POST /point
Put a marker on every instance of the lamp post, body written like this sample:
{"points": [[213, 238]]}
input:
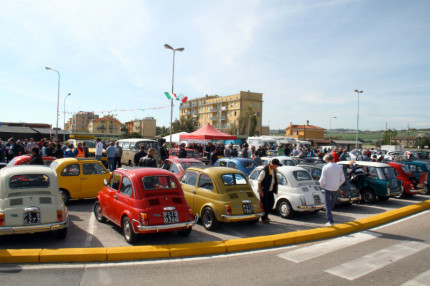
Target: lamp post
{"points": [[329, 129], [249, 122], [58, 100], [173, 80], [358, 112], [64, 118]]}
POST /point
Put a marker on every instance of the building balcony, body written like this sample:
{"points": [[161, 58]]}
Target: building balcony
{"points": [[214, 109], [224, 108], [213, 118], [187, 112], [223, 117]]}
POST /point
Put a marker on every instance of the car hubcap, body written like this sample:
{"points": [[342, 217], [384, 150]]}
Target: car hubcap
{"points": [[98, 212], [368, 196], [207, 219], [127, 230], [284, 209]]}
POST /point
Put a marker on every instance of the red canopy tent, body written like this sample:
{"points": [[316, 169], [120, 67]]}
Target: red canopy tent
{"points": [[207, 132]]}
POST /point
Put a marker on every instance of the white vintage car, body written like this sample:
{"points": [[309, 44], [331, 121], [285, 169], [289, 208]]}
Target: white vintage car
{"points": [[297, 192], [30, 201]]}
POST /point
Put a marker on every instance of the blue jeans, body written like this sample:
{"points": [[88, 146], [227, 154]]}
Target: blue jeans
{"points": [[99, 157], [330, 200], [111, 163]]}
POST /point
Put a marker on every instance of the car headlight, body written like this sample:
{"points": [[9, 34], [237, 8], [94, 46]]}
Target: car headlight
{"points": [[303, 201]]}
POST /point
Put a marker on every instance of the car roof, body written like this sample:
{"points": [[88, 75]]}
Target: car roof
{"points": [[412, 162], [283, 168], [365, 164], [141, 171], [319, 166], [215, 170], [26, 169], [184, 160], [136, 140], [235, 159]]}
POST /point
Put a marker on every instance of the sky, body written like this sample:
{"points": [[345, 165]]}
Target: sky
{"points": [[306, 57]]}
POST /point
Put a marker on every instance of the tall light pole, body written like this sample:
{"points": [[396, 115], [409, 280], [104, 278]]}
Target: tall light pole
{"points": [[173, 80], [58, 100], [249, 122], [64, 118], [358, 112], [329, 129]]}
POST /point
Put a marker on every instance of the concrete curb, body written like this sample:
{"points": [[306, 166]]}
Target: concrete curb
{"points": [[203, 248]]}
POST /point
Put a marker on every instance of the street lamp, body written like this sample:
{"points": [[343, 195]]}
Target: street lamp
{"points": [[249, 122], [173, 80], [329, 129], [358, 111], [64, 118], [58, 100]]}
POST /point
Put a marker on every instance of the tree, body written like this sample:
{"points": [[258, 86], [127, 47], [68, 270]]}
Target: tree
{"points": [[243, 123], [160, 130], [183, 125], [388, 135]]}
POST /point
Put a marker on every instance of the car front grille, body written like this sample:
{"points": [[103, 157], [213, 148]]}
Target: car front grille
{"points": [[233, 196], [15, 202], [45, 200], [153, 202]]}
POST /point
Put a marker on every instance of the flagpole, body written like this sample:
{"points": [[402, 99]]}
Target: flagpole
{"points": [[173, 80]]}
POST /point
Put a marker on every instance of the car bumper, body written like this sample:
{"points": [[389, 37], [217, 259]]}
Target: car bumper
{"points": [[347, 200], [414, 191], [311, 208], [5, 230], [164, 227], [230, 218]]}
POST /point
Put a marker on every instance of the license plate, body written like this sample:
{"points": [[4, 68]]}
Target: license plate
{"points": [[248, 208], [31, 218], [317, 200], [171, 217]]}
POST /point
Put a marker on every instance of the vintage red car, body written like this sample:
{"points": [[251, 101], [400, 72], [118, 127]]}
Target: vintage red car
{"points": [[178, 165], [191, 153], [25, 159], [410, 184], [144, 200]]}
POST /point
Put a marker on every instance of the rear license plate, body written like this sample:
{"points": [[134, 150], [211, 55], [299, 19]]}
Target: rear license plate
{"points": [[317, 200], [248, 209], [31, 218], [171, 217]]}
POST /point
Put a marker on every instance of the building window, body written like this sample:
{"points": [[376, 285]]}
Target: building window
{"points": [[258, 105], [252, 104]]}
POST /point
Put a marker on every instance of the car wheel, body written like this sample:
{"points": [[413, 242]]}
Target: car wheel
{"points": [[64, 195], [401, 195], [284, 209], [425, 191], [369, 196], [127, 230], [62, 233], [209, 220], [98, 212], [185, 232]]}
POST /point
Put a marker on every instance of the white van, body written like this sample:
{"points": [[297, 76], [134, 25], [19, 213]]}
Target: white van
{"points": [[132, 145]]}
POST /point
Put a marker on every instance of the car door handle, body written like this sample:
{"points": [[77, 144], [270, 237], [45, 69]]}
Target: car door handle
{"points": [[115, 197], [83, 178], [193, 192]]}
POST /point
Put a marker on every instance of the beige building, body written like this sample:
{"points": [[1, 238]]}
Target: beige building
{"points": [[224, 112], [146, 127], [80, 121], [105, 125]]}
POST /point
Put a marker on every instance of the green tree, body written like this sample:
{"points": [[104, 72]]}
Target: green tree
{"points": [[183, 125], [243, 123], [388, 134]]}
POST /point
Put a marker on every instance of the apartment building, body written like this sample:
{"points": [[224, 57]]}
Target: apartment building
{"points": [[80, 121], [146, 127], [105, 125], [224, 112]]}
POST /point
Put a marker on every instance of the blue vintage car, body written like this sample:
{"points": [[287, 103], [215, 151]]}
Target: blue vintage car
{"points": [[418, 167], [242, 164]]}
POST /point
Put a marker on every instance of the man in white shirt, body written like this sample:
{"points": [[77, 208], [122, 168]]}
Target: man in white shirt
{"points": [[267, 187], [332, 178], [99, 149]]}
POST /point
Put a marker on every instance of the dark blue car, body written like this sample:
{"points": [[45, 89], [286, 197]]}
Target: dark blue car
{"points": [[242, 164]]}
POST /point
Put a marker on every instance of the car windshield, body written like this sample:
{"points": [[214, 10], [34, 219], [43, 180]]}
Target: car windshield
{"points": [[233, 179], [193, 154], [302, 176], [12, 162], [389, 173], [249, 164], [158, 183], [186, 165], [27, 181]]}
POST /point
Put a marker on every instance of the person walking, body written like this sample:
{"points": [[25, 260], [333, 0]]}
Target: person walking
{"points": [[363, 156], [99, 149], [110, 153], [182, 152], [30, 145], [335, 155], [87, 152], [36, 159], [58, 152], [69, 151], [214, 156], [139, 155], [245, 152], [267, 187], [164, 153], [344, 155], [331, 179], [149, 160], [118, 155], [79, 152]]}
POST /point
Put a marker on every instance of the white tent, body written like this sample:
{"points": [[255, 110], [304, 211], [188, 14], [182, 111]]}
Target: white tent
{"points": [[175, 137]]}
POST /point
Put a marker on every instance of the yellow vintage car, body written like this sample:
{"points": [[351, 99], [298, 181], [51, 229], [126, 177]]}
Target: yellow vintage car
{"points": [[80, 178], [220, 194]]}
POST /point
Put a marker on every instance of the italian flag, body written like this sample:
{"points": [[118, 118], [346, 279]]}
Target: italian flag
{"points": [[170, 95], [182, 98]]}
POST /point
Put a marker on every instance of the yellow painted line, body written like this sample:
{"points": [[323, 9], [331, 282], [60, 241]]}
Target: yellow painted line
{"points": [[204, 248]]}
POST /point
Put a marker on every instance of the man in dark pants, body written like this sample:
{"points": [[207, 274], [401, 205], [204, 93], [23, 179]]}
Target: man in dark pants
{"points": [[139, 155], [164, 153], [182, 152], [267, 187], [214, 157], [332, 178]]}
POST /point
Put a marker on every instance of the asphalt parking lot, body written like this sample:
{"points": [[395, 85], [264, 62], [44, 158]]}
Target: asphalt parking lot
{"points": [[85, 231]]}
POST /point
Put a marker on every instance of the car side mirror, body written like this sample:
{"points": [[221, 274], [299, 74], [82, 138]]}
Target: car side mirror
{"points": [[105, 181]]}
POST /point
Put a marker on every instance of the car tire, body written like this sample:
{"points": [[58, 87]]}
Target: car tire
{"points": [[98, 212], [208, 219], [65, 195], [185, 232], [62, 233], [426, 190], [284, 209], [368, 196], [127, 230]]}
